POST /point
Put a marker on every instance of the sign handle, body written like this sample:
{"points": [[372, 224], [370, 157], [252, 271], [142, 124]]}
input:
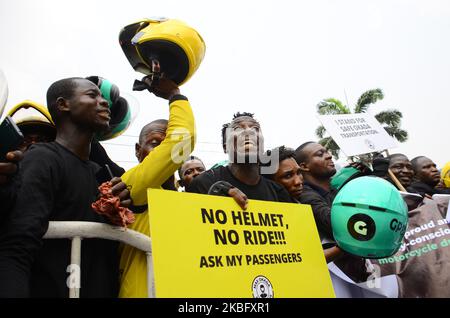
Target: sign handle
{"points": [[394, 178], [397, 183]]}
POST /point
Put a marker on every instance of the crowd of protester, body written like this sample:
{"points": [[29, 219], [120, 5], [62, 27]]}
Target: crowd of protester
{"points": [[54, 176]]}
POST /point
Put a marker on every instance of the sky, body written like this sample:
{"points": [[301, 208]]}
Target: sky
{"points": [[276, 59]]}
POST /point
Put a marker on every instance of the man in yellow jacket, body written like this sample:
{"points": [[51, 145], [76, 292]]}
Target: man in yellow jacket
{"points": [[162, 148]]}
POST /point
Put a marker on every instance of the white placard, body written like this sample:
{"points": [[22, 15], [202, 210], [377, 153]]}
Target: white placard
{"points": [[357, 134]]}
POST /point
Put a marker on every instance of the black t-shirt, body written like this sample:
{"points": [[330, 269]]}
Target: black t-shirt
{"points": [[321, 202], [266, 190], [8, 193], [99, 156], [56, 185]]}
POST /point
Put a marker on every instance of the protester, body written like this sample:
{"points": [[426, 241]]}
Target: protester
{"points": [[242, 140], [39, 127], [402, 169], [163, 145], [35, 123], [423, 250], [191, 168], [108, 167], [421, 264], [9, 167], [288, 173], [317, 167], [8, 185], [427, 177], [58, 184], [120, 121], [290, 177]]}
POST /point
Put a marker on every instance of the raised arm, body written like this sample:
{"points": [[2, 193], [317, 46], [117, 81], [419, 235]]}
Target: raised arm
{"points": [[165, 159]]}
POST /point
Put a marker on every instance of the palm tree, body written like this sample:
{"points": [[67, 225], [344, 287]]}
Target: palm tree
{"points": [[389, 119]]}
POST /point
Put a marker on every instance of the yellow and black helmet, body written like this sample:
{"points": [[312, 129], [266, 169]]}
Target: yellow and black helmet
{"points": [[33, 118], [445, 174], [178, 47]]}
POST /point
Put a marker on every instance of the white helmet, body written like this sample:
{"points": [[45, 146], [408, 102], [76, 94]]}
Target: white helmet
{"points": [[3, 92]]}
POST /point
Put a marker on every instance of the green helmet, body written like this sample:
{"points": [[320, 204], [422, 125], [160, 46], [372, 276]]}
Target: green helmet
{"points": [[222, 163], [341, 177], [369, 218], [121, 117]]}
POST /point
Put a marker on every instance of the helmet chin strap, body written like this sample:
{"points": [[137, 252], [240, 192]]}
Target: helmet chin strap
{"points": [[150, 81]]}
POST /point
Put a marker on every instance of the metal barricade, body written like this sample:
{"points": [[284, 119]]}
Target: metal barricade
{"points": [[76, 231]]}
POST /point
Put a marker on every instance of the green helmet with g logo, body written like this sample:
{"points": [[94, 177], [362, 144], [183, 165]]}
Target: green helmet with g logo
{"points": [[369, 218]]}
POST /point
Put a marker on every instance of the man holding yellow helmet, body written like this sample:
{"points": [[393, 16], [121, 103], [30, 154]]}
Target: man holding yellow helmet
{"points": [[162, 46], [168, 52]]}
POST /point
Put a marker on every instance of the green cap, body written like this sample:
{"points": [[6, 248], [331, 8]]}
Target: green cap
{"points": [[369, 218]]}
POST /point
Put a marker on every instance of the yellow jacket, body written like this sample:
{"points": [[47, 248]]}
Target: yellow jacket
{"points": [[152, 172]]}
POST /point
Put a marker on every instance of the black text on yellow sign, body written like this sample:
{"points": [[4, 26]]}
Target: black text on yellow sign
{"points": [[274, 235], [205, 246]]}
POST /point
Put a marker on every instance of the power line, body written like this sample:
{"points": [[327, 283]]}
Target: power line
{"points": [[214, 151], [128, 161], [199, 142], [127, 145], [117, 144], [209, 142]]}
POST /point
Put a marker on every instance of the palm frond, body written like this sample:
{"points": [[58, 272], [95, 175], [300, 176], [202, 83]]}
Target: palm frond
{"points": [[331, 145], [368, 98], [389, 117], [396, 132], [320, 131], [332, 106]]}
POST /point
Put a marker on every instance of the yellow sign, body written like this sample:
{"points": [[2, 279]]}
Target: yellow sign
{"points": [[206, 247]]}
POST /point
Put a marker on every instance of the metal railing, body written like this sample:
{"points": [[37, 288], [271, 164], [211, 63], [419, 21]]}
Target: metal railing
{"points": [[76, 231]]}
